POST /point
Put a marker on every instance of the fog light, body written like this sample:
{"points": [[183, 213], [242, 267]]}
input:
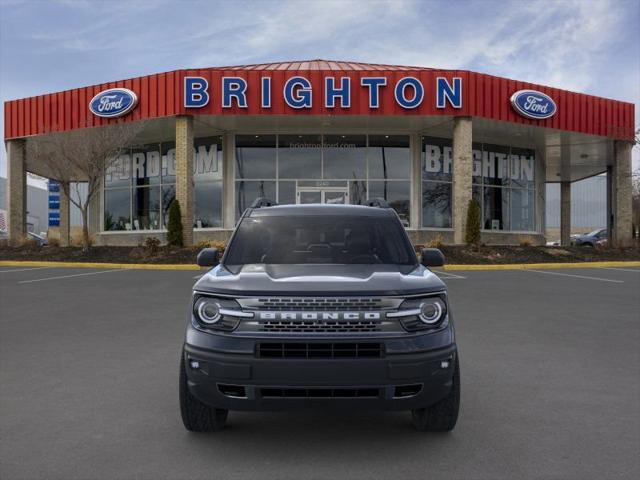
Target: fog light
{"points": [[194, 364], [444, 364]]}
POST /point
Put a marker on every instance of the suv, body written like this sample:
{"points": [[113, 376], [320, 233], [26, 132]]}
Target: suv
{"points": [[319, 305]]}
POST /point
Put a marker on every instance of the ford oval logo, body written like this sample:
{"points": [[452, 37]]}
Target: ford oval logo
{"points": [[533, 104], [114, 102]]}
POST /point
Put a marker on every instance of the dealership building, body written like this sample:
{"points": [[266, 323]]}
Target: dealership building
{"points": [[426, 140]]}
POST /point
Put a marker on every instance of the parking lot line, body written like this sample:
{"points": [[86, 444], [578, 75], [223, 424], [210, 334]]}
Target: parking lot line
{"points": [[70, 276], [23, 269], [637, 270], [575, 276]]}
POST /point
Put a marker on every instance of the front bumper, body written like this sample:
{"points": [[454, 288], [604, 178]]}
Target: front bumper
{"points": [[410, 374]]}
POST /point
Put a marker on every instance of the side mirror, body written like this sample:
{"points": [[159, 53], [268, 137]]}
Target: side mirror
{"points": [[432, 257], [208, 257]]}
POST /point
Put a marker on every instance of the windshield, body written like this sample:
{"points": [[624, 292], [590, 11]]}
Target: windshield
{"points": [[320, 239]]}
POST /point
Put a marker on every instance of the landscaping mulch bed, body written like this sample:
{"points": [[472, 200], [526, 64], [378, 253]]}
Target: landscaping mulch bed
{"points": [[453, 254]]}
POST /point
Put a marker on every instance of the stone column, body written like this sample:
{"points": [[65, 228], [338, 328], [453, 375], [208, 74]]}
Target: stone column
{"points": [[621, 185], [184, 174], [228, 181], [65, 215], [416, 181], [16, 191], [565, 213], [462, 175]]}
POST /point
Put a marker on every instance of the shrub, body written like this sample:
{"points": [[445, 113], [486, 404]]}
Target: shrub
{"points": [[152, 245], [54, 242], [472, 234], [174, 226], [436, 242], [219, 244]]}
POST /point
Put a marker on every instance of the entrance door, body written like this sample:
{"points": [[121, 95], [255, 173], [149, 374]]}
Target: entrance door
{"points": [[323, 195]]}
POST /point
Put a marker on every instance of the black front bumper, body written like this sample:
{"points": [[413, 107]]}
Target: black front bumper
{"points": [[413, 372]]}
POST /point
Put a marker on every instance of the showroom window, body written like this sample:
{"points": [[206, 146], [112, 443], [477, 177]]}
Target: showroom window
{"points": [[140, 186], [331, 169], [503, 184], [437, 175]]}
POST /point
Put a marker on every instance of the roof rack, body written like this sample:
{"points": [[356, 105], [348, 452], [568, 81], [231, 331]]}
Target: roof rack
{"points": [[263, 202], [377, 202]]}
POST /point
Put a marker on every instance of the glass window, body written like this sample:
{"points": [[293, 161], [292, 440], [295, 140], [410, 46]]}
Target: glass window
{"points": [[300, 156], [495, 165], [248, 191], [522, 210], [146, 208], [286, 192], [389, 156], [522, 165], [437, 163], [117, 209], [357, 192], [396, 193], [255, 156], [436, 204], [207, 160], [496, 208], [345, 156], [168, 162], [145, 165], [207, 211], [118, 174], [168, 195], [476, 154]]}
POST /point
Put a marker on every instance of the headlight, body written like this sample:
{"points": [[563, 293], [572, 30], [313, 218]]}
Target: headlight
{"points": [[217, 313], [431, 311], [421, 313], [208, 310]]}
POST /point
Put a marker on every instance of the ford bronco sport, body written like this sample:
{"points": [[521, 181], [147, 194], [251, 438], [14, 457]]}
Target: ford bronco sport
{"points": [[319, 305]]}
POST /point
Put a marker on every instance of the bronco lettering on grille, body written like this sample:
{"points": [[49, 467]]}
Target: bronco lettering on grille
{"points": [[319, 315]]}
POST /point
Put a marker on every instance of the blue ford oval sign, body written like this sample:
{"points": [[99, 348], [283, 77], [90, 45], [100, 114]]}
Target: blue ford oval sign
{"points": [[533, 104], [114, 102]]}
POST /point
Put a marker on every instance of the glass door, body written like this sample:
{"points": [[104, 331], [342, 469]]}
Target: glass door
{"points": [[322, 195]]}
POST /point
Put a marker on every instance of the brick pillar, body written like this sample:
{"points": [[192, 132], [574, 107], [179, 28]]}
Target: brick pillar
{"points": [[565, 213], [184, 174], [621, 186], [65, 215], [462, 175], [16, 191]]}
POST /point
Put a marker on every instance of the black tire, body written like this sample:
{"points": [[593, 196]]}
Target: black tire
{"points": [[198, 416], [442, 416]]}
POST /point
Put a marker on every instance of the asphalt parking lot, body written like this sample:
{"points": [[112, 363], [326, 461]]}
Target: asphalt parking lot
{"points": [[550, 363]]}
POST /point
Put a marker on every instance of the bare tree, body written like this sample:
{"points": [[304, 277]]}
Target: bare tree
{"points": [[82, 156]]}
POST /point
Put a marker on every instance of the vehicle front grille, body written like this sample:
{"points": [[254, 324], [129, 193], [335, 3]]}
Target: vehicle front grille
{"points": [[319, 303], [319, 392], [319, 350], [320, 326]]}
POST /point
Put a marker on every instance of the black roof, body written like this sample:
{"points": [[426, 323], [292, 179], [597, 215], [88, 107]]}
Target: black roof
{"points": [[321, 209]]}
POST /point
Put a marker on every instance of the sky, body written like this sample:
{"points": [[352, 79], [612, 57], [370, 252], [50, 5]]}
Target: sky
{"points": [[589, 46]]}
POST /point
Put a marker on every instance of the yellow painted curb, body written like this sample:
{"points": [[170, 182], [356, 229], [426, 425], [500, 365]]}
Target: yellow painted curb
{"points": [[136, 266], [525, 266]]}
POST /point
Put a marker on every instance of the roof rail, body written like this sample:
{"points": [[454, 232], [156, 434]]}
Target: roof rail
{"points": [[263, 202], [377, 202]]}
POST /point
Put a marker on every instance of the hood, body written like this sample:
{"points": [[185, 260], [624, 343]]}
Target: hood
{"points": [[345, 280]]}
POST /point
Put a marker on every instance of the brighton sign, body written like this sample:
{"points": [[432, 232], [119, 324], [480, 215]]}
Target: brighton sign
{"points": [[298, 93], [533, 104], [113, 103]]}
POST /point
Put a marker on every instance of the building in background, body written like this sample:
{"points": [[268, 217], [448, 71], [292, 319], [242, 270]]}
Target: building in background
{"points": [[37, 208], [426, 140], [588, 206]]}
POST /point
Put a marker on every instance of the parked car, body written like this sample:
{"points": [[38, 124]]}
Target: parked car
{"points": [[590, 239], [319, 305]]}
